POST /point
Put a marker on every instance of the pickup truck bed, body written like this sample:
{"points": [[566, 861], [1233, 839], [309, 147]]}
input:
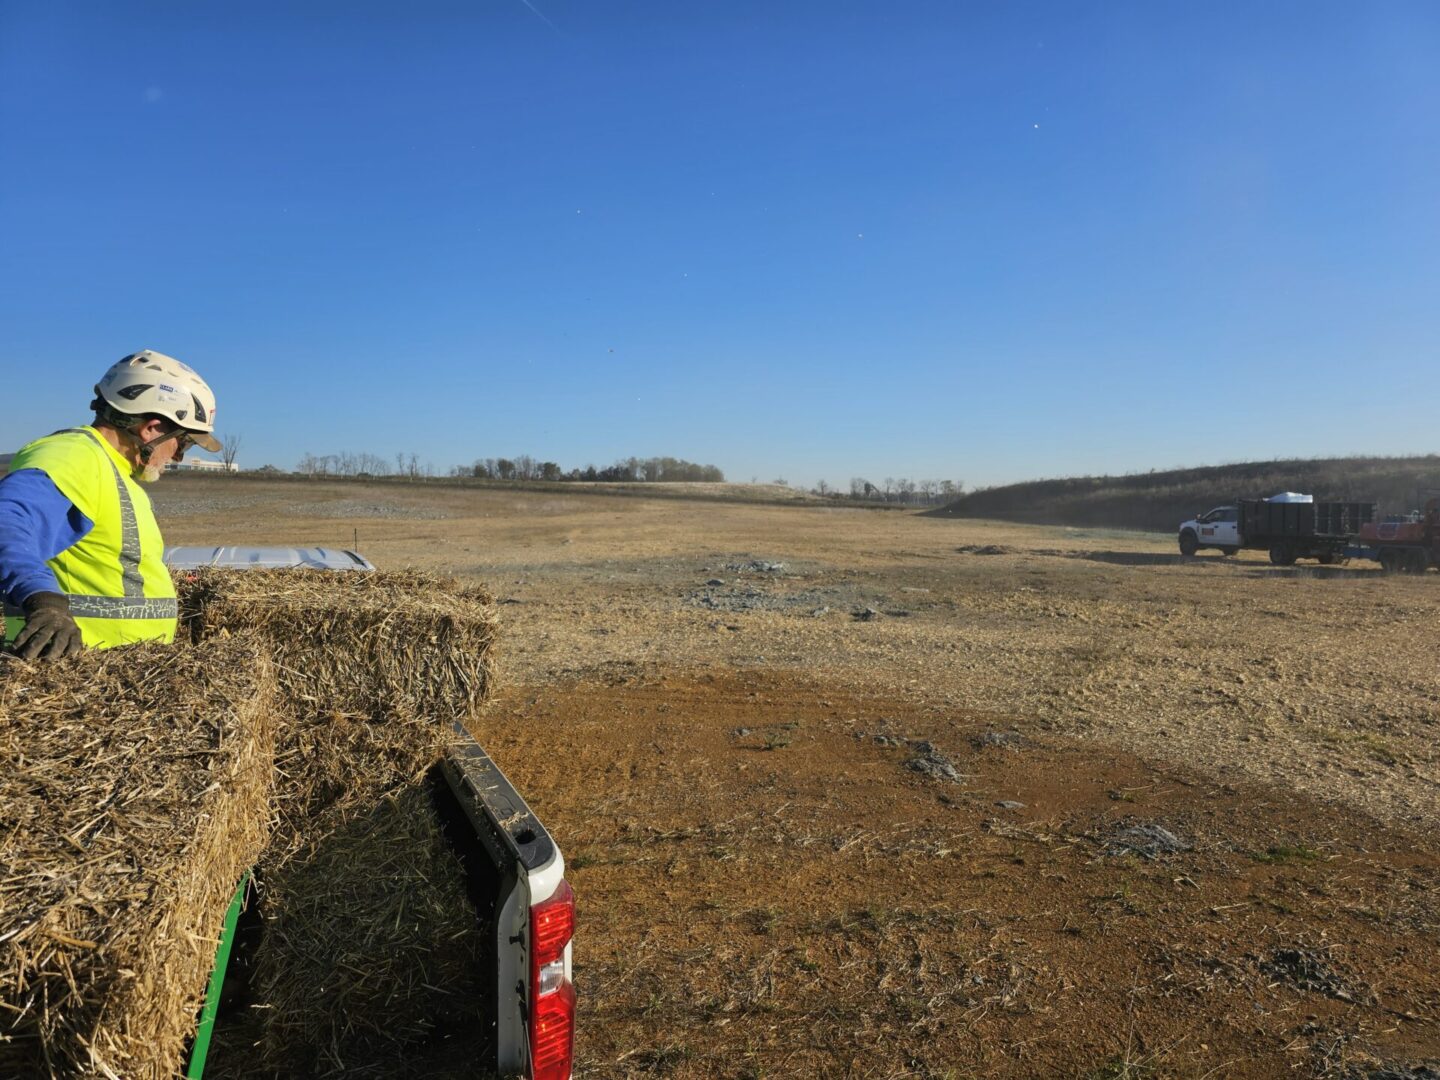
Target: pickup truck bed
{"points": [[510, 865]]}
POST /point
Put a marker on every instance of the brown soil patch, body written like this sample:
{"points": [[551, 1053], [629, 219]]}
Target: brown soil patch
{"points": [[766, 889]]}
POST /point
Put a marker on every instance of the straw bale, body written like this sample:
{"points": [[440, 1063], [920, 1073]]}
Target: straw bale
{"points": [[134, 791], [373, 669], [370, 940], [361, 644]]}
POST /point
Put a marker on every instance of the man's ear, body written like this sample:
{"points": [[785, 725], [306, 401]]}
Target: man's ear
{"points": [[150, 429]]}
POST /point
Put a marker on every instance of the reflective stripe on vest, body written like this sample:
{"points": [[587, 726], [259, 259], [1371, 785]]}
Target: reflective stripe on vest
{"points": [[113, 607], [130, 580]]}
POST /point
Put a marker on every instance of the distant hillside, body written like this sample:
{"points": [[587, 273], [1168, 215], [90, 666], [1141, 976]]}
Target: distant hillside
{"points": [[698, 490], [1158, 501]]}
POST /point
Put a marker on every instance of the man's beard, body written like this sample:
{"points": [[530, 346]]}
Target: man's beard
{"points": [[147, 474]]}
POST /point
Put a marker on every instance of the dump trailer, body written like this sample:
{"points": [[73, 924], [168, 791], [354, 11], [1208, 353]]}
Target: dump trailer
{"points": [[1404, 545], [1287, 528], [1300, 530], [514, 877]]}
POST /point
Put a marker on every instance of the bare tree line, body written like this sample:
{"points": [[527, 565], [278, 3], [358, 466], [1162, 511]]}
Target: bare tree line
{"points": [[628, 470], [520, 467], [525, 467], [897, 490], [351, 464]]}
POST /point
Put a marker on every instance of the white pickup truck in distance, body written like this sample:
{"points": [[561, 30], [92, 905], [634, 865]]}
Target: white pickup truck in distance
{"points": [[1217, 528]]}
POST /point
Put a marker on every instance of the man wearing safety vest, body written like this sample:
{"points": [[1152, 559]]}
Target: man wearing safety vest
{"points": [[81, 558]]}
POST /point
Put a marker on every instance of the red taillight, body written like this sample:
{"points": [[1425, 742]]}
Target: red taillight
{"points": [[552, 996], [552, 1044], [552, 922]]}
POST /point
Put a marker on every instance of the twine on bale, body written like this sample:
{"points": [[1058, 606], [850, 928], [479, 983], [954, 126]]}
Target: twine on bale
{"points": [[135, 789]]}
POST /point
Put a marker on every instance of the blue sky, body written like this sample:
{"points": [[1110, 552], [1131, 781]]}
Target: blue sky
{"points": [[983, 242]]}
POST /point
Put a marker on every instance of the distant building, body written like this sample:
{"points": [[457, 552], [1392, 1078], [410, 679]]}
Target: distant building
{"points": [[203, 465]]}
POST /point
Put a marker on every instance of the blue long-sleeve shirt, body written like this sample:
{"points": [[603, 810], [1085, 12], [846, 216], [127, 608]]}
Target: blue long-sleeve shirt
{"points": [[37, 522]]}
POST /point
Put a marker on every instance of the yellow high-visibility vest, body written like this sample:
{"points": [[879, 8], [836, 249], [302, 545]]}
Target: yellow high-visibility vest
{"points": [[119, 588]]}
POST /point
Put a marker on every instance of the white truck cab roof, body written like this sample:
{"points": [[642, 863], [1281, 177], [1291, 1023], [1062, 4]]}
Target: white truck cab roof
{"points": [[265, 558]]}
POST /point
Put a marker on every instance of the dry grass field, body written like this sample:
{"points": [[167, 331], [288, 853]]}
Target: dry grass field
{"points": [[873, 794]]}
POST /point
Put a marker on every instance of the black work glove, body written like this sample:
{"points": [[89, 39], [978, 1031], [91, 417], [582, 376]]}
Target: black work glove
{"points": [[50, 631]]}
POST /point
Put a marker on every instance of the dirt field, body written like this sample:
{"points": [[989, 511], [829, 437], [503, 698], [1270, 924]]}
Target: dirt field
{"points": [[871, 794]]}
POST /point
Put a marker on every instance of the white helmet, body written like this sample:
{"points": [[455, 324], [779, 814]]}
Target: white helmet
{"points": [[149, 382]]}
